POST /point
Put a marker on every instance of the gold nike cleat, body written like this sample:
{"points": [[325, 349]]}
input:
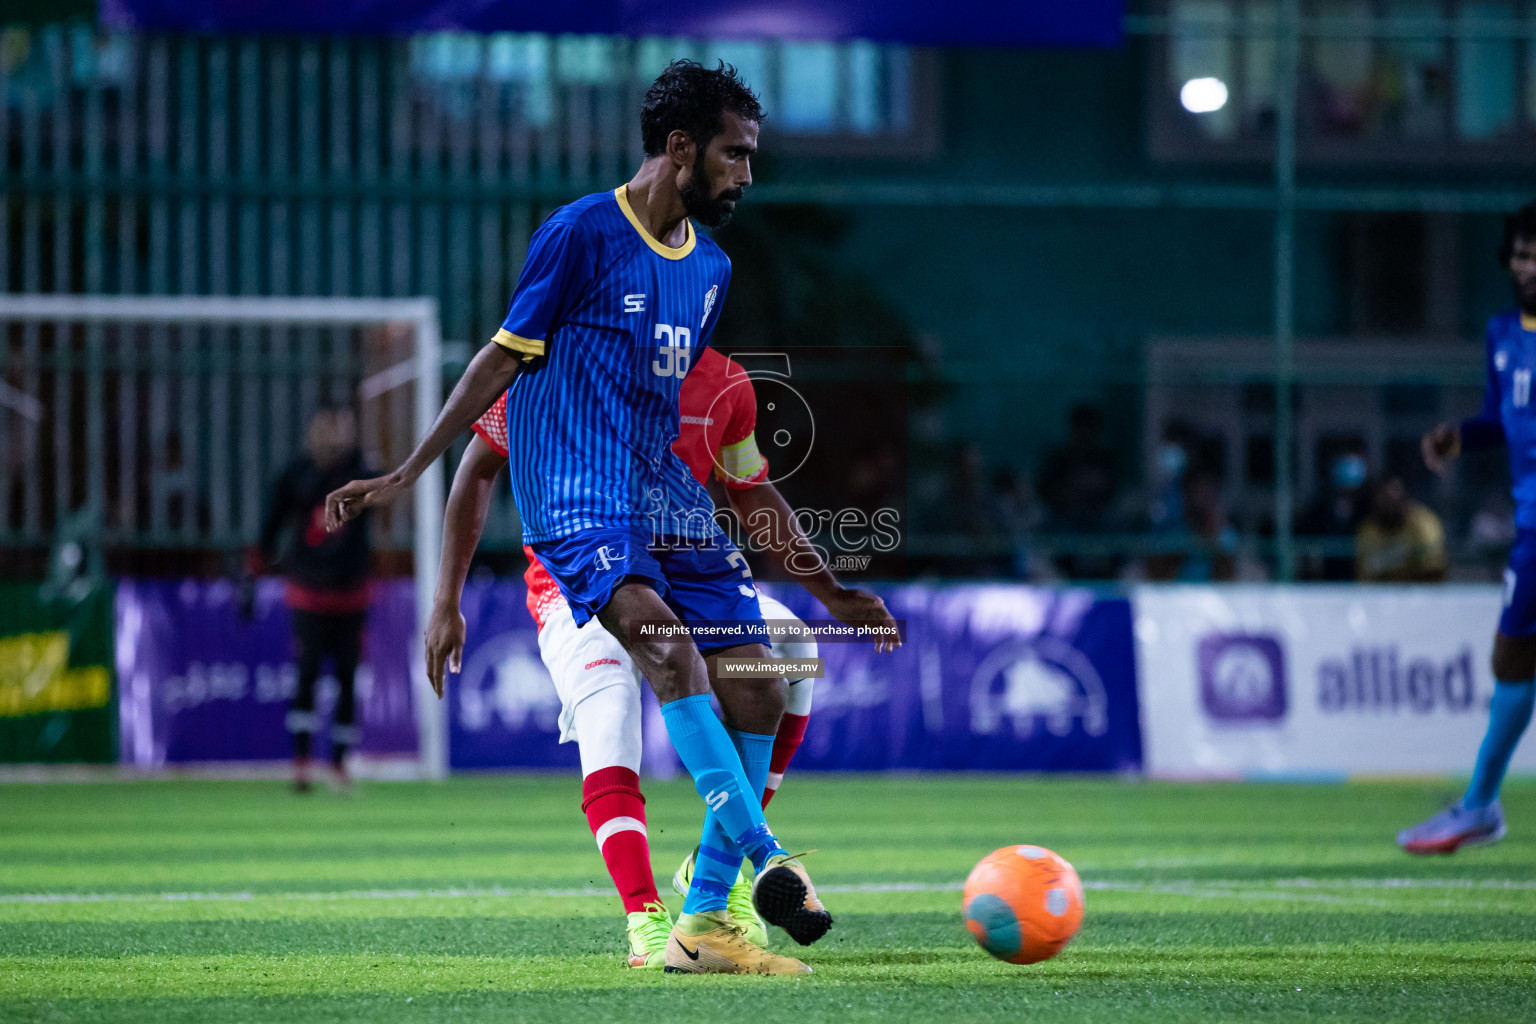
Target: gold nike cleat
{"points": [[721, 949], [784, 895], [738, 902], [648, 930]]}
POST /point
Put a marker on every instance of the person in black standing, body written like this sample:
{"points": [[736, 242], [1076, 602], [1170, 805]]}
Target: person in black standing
{"points": [[326, 581]]}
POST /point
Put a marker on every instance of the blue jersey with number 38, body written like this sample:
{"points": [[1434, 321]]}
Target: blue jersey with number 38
{"points": [[608, 321], [1507, 415]]}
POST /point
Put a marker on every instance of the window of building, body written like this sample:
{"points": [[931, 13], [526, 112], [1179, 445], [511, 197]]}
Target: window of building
{"points": [[1390, 80], [850, 97], [838, 96]]}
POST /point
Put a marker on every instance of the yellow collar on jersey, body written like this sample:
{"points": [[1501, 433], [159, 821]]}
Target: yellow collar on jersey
{"points": [[1527, 322], [622, 195]]}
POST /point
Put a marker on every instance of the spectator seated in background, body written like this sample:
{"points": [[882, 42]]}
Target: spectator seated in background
{"points": [[1185, 506], [963, 516], [1078, 483], [1016, 513], [1180, 443], [1400, 541], [1211, 552], [1080, 478], [1337, 511]]}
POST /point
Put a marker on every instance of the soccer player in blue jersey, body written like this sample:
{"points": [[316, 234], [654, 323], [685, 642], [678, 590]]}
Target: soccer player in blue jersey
{"points": [[617, 297], [1507, 418]]}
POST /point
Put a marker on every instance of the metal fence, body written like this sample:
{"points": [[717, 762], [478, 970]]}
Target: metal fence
{"points": [[159, 165], [163, 420], [154, 164], [286, 166]]}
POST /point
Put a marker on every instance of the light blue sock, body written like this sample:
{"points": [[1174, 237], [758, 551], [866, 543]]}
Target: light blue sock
{"points": [[714, 872], [756, 751], [719, 858], [706, 750], [1508, 714]]}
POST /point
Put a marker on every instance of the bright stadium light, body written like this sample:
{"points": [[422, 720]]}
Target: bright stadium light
{"points": [[1203, 95]]}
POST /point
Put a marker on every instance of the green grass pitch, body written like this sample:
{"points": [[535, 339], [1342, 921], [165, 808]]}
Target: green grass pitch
{"points": [[484, 899]]}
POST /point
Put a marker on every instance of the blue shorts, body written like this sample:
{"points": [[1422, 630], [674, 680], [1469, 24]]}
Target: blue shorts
{"points": [[700, 580], [1519, 618]]}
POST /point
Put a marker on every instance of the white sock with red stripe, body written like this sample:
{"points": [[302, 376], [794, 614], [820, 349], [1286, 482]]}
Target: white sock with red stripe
{"points": [[797, 713], [791, 733], [615, 811]]}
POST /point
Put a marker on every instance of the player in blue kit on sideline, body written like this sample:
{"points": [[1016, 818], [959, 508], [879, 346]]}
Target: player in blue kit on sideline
{"points": [[617, 298], [1507, 418]]}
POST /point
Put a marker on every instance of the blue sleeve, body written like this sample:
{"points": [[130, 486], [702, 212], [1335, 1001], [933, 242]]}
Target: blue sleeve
{"points": [[558, 269], [1486, 429]]}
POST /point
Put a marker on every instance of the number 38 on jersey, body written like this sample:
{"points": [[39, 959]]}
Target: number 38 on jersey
{"points": [[674, 349]]}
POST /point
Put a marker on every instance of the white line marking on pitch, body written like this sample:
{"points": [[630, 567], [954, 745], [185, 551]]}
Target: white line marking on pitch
{"points": [[1281, 889]]}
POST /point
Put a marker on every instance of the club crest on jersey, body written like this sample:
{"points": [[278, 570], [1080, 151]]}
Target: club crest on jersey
{"points": [[709, 302], [605, 557], [1500, 360]]}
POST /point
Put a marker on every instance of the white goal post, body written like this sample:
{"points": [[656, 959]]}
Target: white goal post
{"points": [[66, 358]]}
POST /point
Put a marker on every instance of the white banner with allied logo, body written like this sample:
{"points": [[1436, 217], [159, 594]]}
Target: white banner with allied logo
{"points": [[1253, 681]]}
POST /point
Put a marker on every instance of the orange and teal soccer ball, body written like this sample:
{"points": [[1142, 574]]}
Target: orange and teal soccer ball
{"points": [[1022, 904]]}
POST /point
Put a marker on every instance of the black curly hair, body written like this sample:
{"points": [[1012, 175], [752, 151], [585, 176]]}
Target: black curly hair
{"points": [[694, 98], [1517, 225]]}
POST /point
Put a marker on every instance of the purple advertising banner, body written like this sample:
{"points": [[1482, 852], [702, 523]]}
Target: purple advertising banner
{"points": [[200, 683], [503, 711], [991, 678], [502, 708]]}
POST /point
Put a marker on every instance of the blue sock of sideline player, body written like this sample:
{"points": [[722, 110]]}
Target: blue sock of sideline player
{"points": [[719, 859], [1508, 714], [706, 750]]}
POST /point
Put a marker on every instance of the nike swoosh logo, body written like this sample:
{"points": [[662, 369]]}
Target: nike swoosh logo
{"points": [[693, 954]]}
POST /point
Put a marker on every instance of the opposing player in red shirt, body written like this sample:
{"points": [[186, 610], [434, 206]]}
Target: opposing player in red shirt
{"points": [[598, 685]]}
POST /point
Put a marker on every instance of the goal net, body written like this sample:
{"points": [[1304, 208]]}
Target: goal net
{"points": [[153, 428]]}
